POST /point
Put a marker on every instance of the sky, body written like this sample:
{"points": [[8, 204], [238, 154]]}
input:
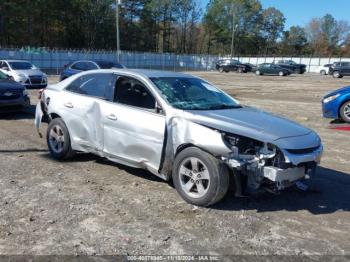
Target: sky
{"points": [[300, 12]]}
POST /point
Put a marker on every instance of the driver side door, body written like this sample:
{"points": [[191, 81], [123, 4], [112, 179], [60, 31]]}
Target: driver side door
{"points": [[133, 129]]}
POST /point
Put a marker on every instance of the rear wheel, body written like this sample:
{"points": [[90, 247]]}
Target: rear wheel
{"points": [[281, 73], [345, 112], [323, 72], [221, 69], [58, 140], [240, 70], [258, 73], [199, 177], [336, 74]]}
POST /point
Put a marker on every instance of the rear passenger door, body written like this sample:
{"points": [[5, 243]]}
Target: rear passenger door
{"points": [[81, 109]]}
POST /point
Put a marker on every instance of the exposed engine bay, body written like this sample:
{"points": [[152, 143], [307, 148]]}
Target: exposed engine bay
{"points": [[263, 165]]}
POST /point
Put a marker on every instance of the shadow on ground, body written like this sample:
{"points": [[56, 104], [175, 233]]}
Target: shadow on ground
{"points": [[331, 194], [6, 114]]}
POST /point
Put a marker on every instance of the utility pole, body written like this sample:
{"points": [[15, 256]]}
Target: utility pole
{"points": [[118, 2], [234, 26]]}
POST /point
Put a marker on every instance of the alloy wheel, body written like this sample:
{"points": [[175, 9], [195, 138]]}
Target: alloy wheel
{"points": [[346, 110], [56, 139], [194, 177]]}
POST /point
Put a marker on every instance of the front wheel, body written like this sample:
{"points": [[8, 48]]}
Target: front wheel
{"points": [[345, 112], [199, 177], [58, 140], [281, 73], [221, 69], [323, 72], [258, 73]]}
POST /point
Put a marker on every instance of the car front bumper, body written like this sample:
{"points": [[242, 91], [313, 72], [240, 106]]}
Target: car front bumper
{"points": [[330, 110], [15, 104]]}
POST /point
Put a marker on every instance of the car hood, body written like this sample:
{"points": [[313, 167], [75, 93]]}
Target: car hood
{"points": [[30, 72], [10, 84], [342, 90], [249, 122]]}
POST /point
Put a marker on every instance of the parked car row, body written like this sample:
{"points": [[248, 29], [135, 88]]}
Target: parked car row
{"points": [[281, 68], [18, 75]]}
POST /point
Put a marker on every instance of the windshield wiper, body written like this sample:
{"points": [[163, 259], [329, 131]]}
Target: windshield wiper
{"points": [[223, 106]]}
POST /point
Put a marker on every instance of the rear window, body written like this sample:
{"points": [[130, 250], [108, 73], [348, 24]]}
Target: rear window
{"points": [[108, 65]]}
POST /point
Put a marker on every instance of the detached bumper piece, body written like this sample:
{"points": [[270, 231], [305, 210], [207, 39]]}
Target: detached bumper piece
{"points": [[283, 178]]}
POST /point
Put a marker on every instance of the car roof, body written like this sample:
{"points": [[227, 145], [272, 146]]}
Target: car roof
{"points": [[157, 73], [141, 72], [15, 60]]}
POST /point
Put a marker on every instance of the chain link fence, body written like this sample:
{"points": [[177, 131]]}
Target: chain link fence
{"points": [[53, 61]]}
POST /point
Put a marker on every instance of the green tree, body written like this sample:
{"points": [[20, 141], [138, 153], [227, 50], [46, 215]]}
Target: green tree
{"points": [[273, 25], [294, 41]]}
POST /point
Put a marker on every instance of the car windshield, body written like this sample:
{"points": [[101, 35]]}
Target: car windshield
{"points": [[188, 93], [108, 65], [21, 65], [2, 76]]}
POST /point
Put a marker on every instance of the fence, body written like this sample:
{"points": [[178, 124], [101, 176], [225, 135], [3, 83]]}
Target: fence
{"points": [[52, 61]]}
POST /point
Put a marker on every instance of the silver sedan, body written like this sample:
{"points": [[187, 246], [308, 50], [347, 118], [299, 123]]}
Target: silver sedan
{"points": [[180, 128]]}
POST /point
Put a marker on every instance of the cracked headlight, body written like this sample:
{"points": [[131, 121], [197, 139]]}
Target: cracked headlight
{"points": [[330, 98]]}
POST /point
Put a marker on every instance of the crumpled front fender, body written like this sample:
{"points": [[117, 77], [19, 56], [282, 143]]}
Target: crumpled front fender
{"points": [[181, 131]]}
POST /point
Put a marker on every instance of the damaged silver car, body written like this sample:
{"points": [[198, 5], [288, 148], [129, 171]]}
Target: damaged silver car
{"points": [[180, 128]]}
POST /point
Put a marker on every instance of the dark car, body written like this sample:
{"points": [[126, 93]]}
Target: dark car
{"points": [[292, 66], [336, 105], [80, 66], [340, 69], [272, 69], [227, 65], [13, 95]]}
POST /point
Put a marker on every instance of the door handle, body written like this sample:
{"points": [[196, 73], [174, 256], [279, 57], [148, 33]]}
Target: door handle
{"points": [[69, 105], [112, 117]]}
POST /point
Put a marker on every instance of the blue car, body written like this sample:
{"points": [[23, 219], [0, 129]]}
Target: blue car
{"points": [[85, 65], [336, 105]]}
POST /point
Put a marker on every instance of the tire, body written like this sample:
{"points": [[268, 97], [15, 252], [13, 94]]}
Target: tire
{"points": [[203, 184], [221, 69], [344, 112], [58, 140], [336, 74], [281, 73], [240, 70], [258, 73], [323, 72]]}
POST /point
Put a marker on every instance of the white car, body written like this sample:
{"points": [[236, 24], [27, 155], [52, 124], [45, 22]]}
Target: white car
{"points": [[178, 127], [324, 70], [24, 72]]}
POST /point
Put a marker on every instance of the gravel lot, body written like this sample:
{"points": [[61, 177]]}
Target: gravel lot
{"points": [[92, 206]]}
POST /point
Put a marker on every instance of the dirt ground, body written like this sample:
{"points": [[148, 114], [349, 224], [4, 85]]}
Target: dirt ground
{"points": [[90, 206]]}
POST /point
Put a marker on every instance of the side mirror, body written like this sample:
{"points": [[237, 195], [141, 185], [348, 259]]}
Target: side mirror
{"points": [[5, 68], [159, 109]]}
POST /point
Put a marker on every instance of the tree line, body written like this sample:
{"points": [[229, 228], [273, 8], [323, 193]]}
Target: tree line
{"points": [[240, 27]]}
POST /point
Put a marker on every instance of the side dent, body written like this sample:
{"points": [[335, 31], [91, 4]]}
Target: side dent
{"points": [[181, 131]]}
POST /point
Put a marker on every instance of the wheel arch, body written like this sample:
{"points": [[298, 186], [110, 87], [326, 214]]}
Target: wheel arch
{"points": [[345, 100]]}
